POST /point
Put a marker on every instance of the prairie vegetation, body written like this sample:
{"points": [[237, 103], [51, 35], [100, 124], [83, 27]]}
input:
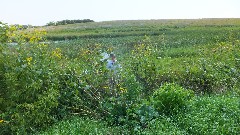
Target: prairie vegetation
{"points": [[177, 77]]}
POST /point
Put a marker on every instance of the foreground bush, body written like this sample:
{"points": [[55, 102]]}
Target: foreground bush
{"points": [[171, 98], [40, 86], [29, 72]]}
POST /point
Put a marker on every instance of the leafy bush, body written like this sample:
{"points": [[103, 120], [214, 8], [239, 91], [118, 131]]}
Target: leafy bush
{"points": [[132, 116], [31, 85], [119, 108], [171, 98], [139, 116], [143, 65]]}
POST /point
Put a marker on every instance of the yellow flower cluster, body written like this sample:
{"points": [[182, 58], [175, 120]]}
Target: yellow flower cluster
{"points": [[29, 59], [57, 53], [123, 90], [34, 39], [1, 121]]}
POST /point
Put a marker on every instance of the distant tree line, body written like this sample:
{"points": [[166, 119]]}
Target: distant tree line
{"points": [[64, 22]]}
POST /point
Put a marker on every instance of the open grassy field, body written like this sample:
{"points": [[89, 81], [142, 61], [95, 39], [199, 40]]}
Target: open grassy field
{"points": [[176, 77], [139, 28]]}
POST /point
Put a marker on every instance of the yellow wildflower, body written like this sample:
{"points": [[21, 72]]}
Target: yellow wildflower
{"points": [[1, 121], [57, 53], [29, 59], [105, 87], [123, 89]]}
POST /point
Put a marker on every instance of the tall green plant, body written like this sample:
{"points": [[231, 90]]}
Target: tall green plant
{"points": [[143, 62], [30, 78]]}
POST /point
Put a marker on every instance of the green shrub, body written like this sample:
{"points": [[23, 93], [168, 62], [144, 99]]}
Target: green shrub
{"points": [[170, 98], [143, 64], [116, 110], [4, 28], [129, 95], [139, 115], [30, 76], [133, 116]]}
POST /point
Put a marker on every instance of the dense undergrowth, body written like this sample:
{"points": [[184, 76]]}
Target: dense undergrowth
{"points": [[179, 80], [203, 115]]}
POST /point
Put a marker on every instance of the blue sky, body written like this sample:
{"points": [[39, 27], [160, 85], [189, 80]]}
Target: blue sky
{"points": [[40, 12]]}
